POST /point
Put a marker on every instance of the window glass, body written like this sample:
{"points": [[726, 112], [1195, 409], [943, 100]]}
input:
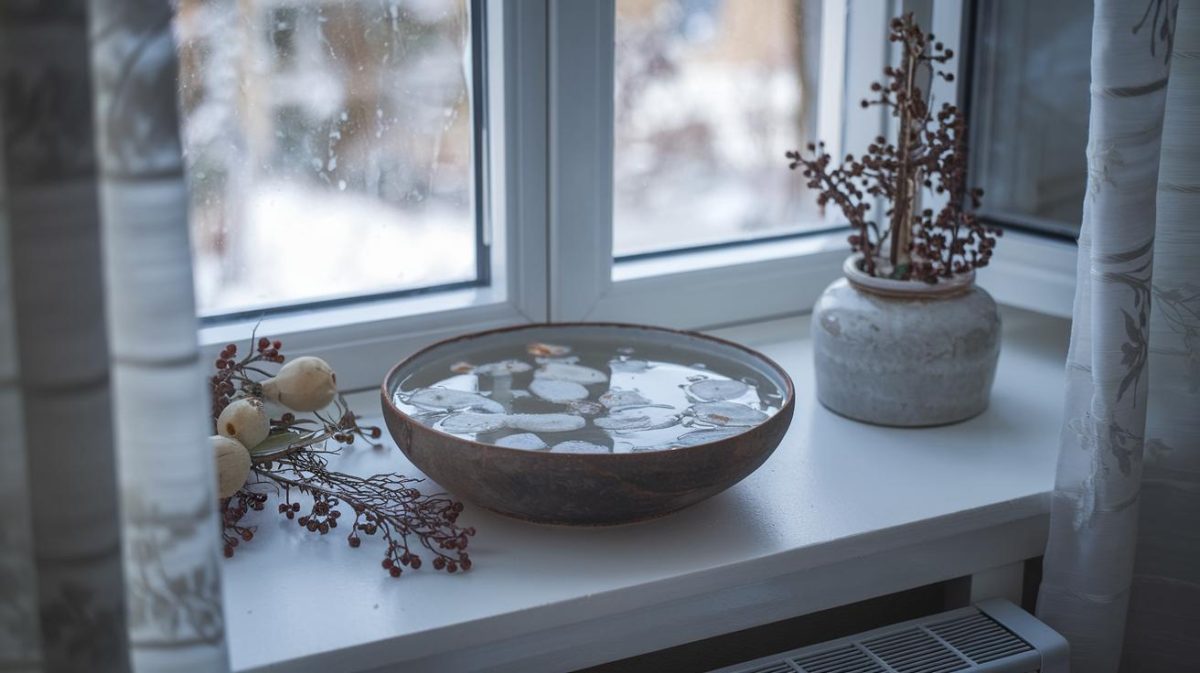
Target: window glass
{"points": [[709, 96], [1029, 111], [330, 148]]}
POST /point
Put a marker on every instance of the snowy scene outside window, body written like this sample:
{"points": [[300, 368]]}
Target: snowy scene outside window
{"points": [[709, 95], [329, 147]]}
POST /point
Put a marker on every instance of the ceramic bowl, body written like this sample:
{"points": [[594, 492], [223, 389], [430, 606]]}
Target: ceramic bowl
{"points": [[588, 488]]}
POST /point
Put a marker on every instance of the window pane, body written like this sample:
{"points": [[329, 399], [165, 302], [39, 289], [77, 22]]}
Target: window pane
{"points": [[709, 96], [329, 147], [1030, 111]]}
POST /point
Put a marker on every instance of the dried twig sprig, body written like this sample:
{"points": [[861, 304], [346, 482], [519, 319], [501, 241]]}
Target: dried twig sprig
{"points": [[291, 460], [385, 505], [234, 376], [929, 153]]}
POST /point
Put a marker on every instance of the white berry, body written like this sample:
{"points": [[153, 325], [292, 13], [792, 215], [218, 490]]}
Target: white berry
{"points": [[233, 464], [304, 384], [244, 420]]}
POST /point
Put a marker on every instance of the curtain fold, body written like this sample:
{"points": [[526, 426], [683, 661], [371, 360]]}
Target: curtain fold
{"points": [[1163, 630], [61, 380], [170, 523], [1129, 450], [110, 554]]}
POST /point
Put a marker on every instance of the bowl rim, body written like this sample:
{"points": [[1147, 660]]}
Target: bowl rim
{"points": [[786, 407]]}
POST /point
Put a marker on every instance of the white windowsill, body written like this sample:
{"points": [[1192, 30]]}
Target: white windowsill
{"points": [[841, 512], [799, 249]]}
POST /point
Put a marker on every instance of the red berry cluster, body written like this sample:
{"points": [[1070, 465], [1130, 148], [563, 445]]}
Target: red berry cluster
{"points": [[289, 509], [269, 350], [349, 430], [234, 375], [233, 509], [322, 516]]}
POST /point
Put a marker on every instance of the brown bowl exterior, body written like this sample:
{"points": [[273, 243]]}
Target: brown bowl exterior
{"points": [[586, 489]]}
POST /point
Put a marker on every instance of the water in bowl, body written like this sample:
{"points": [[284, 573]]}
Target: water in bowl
{"points": [[587, 397]]}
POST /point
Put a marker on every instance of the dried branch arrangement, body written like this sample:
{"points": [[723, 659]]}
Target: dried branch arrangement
{"points": [[259, 457], [929, 154]]}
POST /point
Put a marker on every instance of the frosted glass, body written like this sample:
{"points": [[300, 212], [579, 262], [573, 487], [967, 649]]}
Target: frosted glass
{"points": [[329, 148], [710, 94]]}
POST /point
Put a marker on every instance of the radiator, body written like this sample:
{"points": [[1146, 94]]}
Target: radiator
{"points": [[994, 636]]}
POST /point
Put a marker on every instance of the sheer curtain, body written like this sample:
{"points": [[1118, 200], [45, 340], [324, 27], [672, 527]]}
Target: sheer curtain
{"points": [[1122, 568], [109, 536]]}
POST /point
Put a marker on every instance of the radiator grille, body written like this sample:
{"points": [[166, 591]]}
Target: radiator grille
{"points": [[979, 638], [778, 667], [848, 658], [964, 640], [915, 651]]}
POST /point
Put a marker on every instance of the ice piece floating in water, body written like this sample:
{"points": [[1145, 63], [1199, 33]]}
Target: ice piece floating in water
{"points": [[697, 437], [557, 391], [641, 418], [546, 422], [577, 446], [728, 413], [472, 422], [627, 419], [717, 390], [615, 399], [503, 368], [561, 371], [522, 440], [587, 408], [454, 400]]}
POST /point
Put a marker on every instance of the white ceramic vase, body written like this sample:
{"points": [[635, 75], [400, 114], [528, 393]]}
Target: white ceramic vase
{"points": [[905, 353]]}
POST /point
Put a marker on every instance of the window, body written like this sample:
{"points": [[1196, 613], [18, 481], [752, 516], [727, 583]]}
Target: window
{"points": [[1029, 111], [369, 177], [709, 95], [332, 149]]}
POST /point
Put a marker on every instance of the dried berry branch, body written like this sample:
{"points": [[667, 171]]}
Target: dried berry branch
{"points": [[387, 505], [929, 154]]}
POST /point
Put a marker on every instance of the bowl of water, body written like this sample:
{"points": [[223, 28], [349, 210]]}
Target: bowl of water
{"points": [[587, 423]]}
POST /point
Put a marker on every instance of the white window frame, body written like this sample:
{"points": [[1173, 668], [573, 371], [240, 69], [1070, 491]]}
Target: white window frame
{"points": [[685, 290], [697, 290], [549, 204], [360, 339]]}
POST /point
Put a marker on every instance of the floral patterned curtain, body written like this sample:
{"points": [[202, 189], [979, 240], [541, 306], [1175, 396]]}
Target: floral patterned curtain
{"points": [[1122, 568], [109, 539]]}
